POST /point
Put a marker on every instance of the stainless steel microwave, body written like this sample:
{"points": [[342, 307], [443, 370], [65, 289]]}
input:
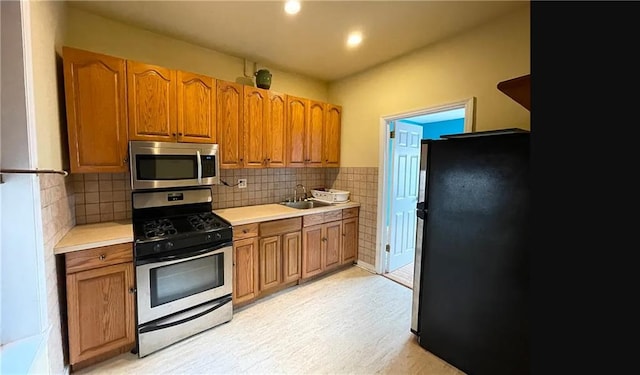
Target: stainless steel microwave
{"points": [[159, 165]]}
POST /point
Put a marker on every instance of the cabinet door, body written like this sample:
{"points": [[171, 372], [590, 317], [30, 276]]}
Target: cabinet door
{"points": [[332, 244], [196, 108], [245, 270], [297, 117], [314, 134], [312, 259], [256, 125], [151, 92], [276, 134], [270, 262], [349, 240], [291, 256], [229, 114], [96, 111], [100, 305], [331, 139]]}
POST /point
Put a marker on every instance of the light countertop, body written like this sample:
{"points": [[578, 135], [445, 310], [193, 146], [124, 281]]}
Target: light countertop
{"points": [[88, 236], [266, 212]]}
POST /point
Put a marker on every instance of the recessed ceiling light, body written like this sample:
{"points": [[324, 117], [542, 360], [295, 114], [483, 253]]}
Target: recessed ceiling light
{"points": [[292, 7], [354, 39]]}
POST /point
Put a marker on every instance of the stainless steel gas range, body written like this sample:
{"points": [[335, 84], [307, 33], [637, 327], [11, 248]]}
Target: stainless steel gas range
{"points": [[183, 266]]}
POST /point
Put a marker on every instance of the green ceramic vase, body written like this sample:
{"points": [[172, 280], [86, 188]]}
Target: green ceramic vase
{"points": [[263, 79]]}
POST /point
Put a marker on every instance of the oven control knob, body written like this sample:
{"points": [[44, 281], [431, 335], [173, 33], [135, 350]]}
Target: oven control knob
{"points": [[169, 245], [156, 247], [218, 236], [209, 237]]}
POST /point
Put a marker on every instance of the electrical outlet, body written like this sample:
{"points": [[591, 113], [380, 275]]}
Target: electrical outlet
{"points": [[242, 183]]}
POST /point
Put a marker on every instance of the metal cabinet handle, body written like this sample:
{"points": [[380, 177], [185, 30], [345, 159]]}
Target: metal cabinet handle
{"points": [[173, 134], [324, 238], [180, 134], [245, 231], [132, 290], [102, 257]]}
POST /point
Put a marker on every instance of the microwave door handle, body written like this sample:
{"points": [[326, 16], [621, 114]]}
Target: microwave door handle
{"points": [[199, 168]]}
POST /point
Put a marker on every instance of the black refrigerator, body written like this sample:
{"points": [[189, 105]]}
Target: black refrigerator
{"points": [[471, 281]]}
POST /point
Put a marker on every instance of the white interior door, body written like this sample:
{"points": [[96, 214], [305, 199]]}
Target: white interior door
{"points": [[404, 194]]}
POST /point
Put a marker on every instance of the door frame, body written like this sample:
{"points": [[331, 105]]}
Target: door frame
{"points": [[383, 164]]}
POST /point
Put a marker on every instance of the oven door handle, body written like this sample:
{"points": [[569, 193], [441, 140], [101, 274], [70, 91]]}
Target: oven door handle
{"points": [[199, 167], [182, 255], [155, 327]]}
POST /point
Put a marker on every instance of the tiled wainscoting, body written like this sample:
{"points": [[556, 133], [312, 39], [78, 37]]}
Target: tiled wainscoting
{"points": [[264, 186], [102, 197], [107, 196], [57, 201], [362, 183]]}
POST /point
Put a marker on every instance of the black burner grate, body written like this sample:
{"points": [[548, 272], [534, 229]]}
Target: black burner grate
{"points": [[159, 228], [204, 221]]}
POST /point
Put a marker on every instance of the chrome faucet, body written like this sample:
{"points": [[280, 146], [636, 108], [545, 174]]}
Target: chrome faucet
{"points": [[295, 193]]}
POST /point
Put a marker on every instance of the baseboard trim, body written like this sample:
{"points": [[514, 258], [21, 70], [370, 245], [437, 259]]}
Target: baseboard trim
{"points": [[366, 266]]}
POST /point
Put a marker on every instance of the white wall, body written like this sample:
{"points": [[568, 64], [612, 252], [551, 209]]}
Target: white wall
{"points": [[21, 286], [47, 29], [465, 66], [95, 33], [23, 321]]}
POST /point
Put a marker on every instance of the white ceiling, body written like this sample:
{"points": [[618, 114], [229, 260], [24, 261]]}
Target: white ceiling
{"points": [[312, 42]]}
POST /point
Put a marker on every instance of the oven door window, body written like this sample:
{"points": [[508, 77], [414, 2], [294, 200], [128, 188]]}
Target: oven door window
{"points": [[180, 280], [166, 167]]}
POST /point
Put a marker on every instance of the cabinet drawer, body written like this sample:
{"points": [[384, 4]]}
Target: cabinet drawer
{"points": [[270, 228], [348, 213], [333, 215], [313, 219], [245, 231], [98, 257]]}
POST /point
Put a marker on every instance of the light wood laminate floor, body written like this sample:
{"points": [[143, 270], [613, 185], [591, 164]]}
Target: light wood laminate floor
{"points": [[350, 322], [403, 275]]}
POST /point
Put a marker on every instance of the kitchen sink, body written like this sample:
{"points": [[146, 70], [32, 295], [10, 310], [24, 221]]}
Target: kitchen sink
{"points": [[303, 205]]}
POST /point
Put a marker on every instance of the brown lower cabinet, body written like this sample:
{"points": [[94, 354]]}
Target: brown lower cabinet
{"points": [[273, 255], [349, 235], [100, 303], [245, 270], [279, 254], [321, 242]]}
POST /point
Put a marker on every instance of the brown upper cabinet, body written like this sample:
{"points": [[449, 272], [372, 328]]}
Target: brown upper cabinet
{"points": [[264, 128], [276, 136], [314, 134], [230, 124], [256, 125], [331, 138], [311, 126], [170, 105], [297, 118], [112, 100], [196, 108], [151, 94], [96, 108]]}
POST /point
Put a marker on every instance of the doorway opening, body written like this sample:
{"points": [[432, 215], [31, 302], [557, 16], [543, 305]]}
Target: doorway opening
{"points": [[399, 182]]}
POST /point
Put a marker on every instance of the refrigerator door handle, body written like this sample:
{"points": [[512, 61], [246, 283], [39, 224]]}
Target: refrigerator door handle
{"points": [[421, 210]]}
